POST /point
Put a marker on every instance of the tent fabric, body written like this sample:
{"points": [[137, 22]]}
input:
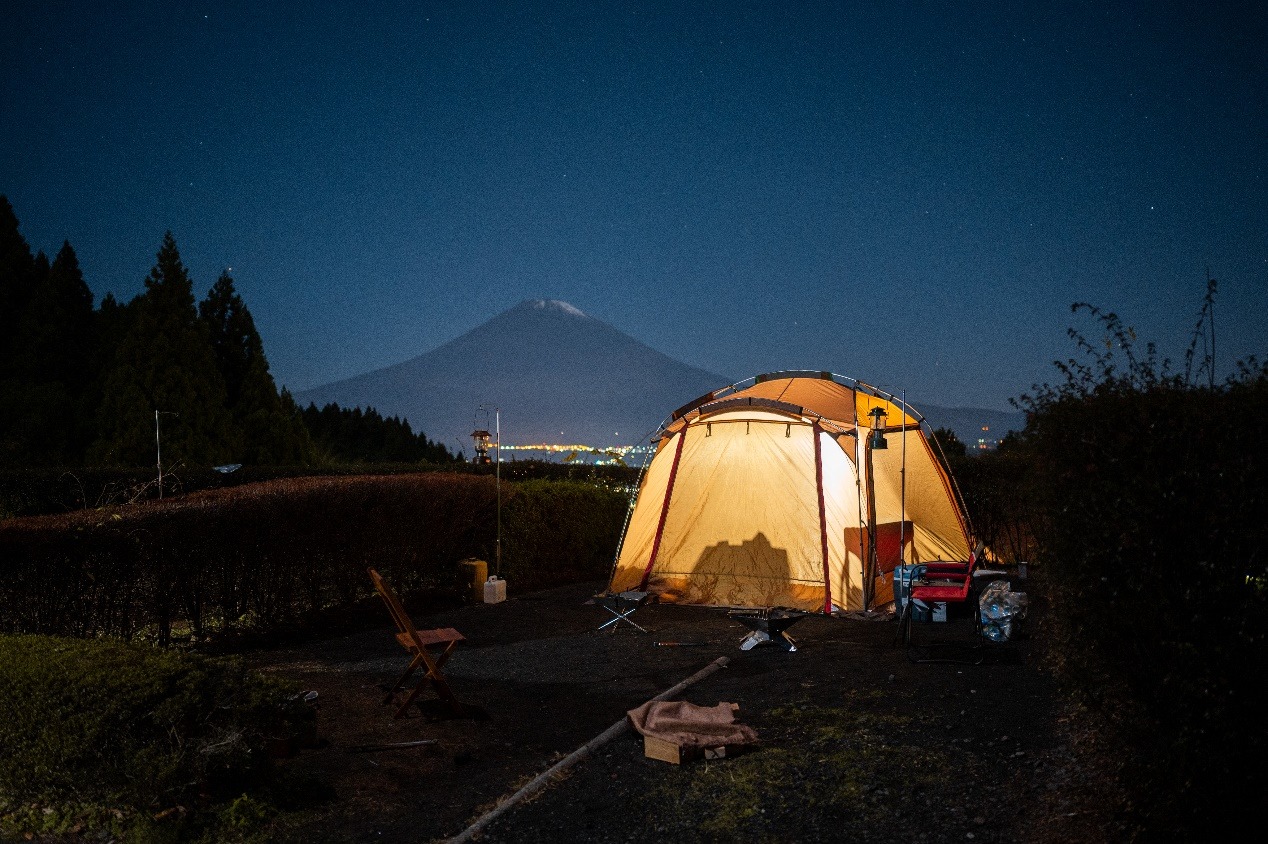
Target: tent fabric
{"points": [[761, 497]]}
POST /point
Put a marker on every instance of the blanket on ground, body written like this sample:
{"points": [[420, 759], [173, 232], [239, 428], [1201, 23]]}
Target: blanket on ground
{"points": [[688, 725]]}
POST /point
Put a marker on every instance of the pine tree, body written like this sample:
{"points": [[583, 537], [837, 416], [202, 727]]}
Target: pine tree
{"points": [[165, 364], [17, 282], [270, 433], [50, 366], [55, 333], [365, 436]]}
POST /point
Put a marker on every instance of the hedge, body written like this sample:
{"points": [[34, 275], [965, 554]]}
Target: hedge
{"points": [[279, 554], [1148, 497], [50, 491]]}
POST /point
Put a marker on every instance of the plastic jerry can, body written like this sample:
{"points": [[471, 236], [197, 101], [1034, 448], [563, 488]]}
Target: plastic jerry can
{"points": [[494, 590]]}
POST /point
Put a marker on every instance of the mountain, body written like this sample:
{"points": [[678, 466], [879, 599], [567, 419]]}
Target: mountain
{"points": [[554, 374], [968, 423]]}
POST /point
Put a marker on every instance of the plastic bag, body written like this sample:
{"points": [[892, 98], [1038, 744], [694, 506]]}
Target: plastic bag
{"points": [[998, 608]]}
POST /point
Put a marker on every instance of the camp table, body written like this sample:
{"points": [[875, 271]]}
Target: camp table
{"points": [[768, 625], [622, 605]]}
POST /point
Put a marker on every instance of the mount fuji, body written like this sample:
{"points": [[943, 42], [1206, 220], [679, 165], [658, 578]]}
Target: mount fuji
{"points": [[553, 373], [558, 376]]}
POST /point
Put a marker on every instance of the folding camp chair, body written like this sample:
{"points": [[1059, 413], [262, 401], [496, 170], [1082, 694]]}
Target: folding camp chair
{"points": [[419, 644], [943, 582]]}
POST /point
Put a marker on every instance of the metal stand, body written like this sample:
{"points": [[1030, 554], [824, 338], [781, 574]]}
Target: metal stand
{"points": [[622, 605], [768, 625]]}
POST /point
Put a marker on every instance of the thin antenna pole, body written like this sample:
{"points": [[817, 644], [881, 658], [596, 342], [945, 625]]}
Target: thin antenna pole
{"points": [[158, 452]]}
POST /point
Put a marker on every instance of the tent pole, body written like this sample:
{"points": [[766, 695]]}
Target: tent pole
{"points": [[629, 510], [902, 474], [870, 566]]}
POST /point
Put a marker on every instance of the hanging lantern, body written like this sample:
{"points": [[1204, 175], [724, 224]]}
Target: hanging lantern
{"points": [[877, 439], [481, 439]]}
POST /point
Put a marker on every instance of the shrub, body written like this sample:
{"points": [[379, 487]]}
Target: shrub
{"points": [[561, 531], [1151, 492], [286, 555]]}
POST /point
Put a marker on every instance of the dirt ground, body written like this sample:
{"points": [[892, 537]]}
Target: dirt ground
{"points": [[975, 748]]}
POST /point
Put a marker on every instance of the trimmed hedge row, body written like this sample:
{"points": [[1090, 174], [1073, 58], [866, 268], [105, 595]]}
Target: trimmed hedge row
{"points": [[42, 491], [557, 532], [274, 555]]}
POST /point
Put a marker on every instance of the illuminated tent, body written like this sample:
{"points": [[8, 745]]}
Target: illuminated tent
{"points": [[781, 494]]}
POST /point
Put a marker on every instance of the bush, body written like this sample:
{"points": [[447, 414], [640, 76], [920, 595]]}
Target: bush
{"points": [[1151, 492], [49, 491], [123, 725], [286, 554], [561, 532]]}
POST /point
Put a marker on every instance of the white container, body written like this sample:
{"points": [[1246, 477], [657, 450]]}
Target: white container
{"points": [[494, 590]]}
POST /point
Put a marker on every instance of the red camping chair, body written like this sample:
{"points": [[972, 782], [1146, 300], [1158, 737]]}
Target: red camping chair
{"points": [[942, 582]]}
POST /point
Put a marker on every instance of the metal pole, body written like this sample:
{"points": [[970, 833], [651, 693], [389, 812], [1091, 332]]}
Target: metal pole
{"points": [[870, 566], [158, 452], [902, 519], [497, 427]]}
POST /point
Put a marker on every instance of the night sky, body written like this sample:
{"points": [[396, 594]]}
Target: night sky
{"points": [[912, 193]]}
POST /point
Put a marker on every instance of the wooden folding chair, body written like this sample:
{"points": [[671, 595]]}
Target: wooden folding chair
{"points": [[419, 644]]}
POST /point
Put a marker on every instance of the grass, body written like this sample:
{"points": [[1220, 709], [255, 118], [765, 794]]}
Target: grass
{"points": [[819, 769]]}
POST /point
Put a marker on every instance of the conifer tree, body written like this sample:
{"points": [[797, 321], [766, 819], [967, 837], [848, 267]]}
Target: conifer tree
{"points": [[49, 365], [17, 281], [55, 334], [270, 434], [164, 364]]}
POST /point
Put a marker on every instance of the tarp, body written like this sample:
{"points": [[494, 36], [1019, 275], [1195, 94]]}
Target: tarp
{"points": [[771, 495]]}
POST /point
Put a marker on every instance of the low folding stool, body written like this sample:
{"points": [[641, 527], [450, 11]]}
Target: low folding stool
{"points": [[622, 605]]}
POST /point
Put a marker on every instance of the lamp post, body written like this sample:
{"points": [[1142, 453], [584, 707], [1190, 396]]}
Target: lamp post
{"points": [[902, 474], [497, 545], [482, 436]]}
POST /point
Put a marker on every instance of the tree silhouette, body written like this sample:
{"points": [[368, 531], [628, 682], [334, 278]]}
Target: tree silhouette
{"points": [[17, 282], [164, 362], [354, 435], [271, 432]]}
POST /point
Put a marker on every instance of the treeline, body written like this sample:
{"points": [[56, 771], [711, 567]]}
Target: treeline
{"points": [[112, 385], [352, 435]]}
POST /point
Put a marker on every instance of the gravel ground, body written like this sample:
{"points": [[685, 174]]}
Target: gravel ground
{"points": [[858, 739]]}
